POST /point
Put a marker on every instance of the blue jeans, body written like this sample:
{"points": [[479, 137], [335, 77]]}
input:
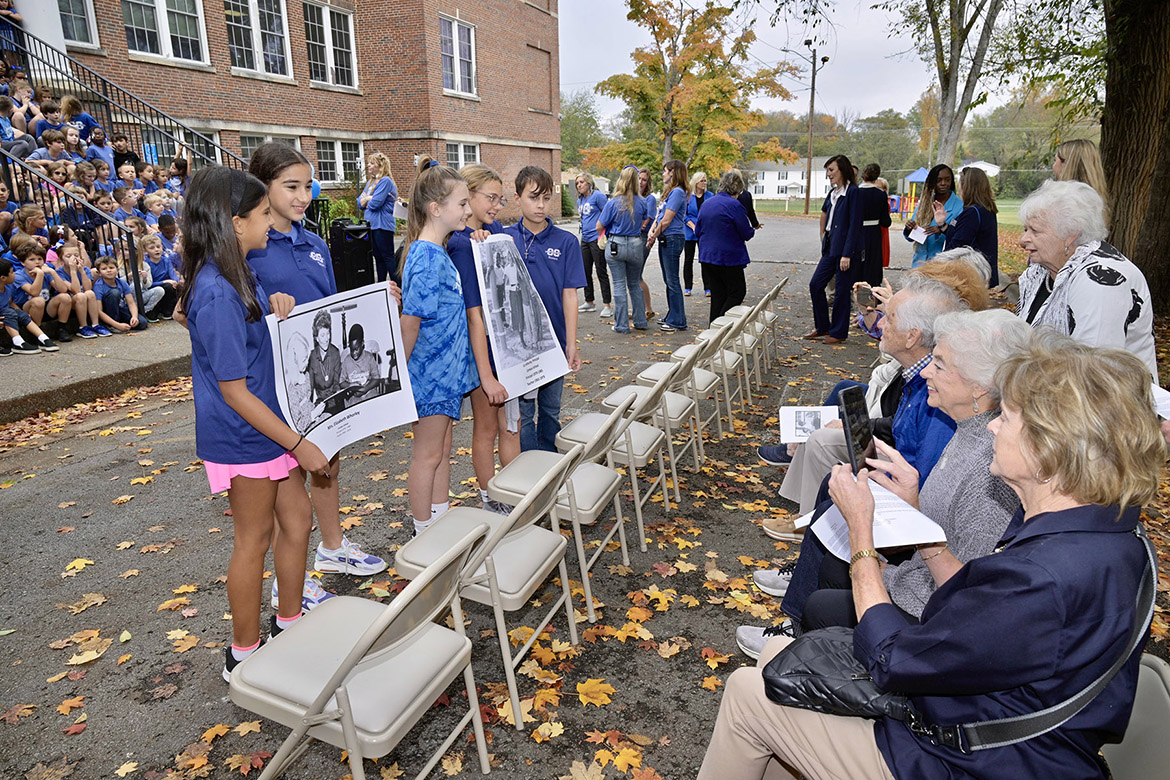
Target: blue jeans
{"points": [[541, 433], [806, 576], [625, 271], [831, 398], [114, 306], [669, 250]]}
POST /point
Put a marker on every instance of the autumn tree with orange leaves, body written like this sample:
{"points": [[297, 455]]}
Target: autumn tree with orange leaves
{"points": [[694, 85]]}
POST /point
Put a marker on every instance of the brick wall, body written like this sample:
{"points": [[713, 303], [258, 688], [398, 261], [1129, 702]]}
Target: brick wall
{"points": [[399, 106]]}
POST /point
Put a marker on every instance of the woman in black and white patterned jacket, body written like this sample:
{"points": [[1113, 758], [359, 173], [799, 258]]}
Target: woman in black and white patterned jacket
{"points": [[1078, 283]]}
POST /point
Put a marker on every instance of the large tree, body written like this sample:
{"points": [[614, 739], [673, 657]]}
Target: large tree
{"points": [[580, 126], [694, 83]]}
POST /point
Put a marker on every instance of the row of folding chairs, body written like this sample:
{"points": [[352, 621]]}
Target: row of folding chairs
{"points": [[358, 674]]}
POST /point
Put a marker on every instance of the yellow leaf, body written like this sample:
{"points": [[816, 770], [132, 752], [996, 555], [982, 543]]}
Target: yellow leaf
{"points": [[142, 480], [121, 499], [525, 712], [247, 727], [392, 772], [689, 600], [127, 768], [83, 658], [147, 433], [714, 657], [124, 636], [639, 614], [177, 633], [627, 758], [186, 643], [173, 604], [106, 432], [56, 677], [67, 706], [668, 650], [129, 573], [710, 683], [218, 730], [546, 696], [452, 764], [77, 564], [546, 731], [125, 545], [684, 567], [595, 691], [124, 658], [185, 589]]}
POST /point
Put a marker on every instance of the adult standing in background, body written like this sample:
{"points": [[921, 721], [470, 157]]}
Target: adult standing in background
{"points": [[622, 220], [698, 197], [722, 231], [669, 226], [940, 187], [840, 253], [749, 205], [875, 220], [1080, 160], [976, 226], [378, 199], [644, 187], [590, 202]]}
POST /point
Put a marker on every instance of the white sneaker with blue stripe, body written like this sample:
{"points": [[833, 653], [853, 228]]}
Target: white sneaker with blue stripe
{"points": [[349, 559], [311, 596]]}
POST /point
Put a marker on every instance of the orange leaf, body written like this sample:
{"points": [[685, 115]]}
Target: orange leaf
{"points": [[218, 730], [67, 706], [710, 683], [595, 691]]}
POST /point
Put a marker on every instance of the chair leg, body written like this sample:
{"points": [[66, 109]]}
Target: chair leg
{"points": [[582, 563], [287, 753], [350, 733], [662, 476], [637, 505], [473, 701], [569, 601], [621, 524], [505, 650]]}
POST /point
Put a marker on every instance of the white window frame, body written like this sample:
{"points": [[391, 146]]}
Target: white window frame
{"points": [[91, 25], [258, 42], [328, 12], [211, 135], [337, 159], [266, 137], [456, 80], [461, 149], [163, 31]]}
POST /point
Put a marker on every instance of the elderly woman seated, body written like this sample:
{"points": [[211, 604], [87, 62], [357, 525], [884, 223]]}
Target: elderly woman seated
{"points": [[1004, 635], [972, 506], [1078, 283]]}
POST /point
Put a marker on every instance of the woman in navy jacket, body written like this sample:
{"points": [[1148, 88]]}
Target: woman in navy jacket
{"points": [[1006, 635], [976, 225], [840, 253], [722, 231], [378, 199]]}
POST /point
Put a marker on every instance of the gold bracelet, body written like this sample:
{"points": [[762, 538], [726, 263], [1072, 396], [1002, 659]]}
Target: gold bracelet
{"points": [[857, 556], [926, 558]]}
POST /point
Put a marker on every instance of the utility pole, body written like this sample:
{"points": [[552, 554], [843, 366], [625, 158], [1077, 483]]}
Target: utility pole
{"points": [[812, 95]]}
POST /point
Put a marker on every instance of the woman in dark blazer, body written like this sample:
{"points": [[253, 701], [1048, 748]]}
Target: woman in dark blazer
{"points": [[840, 253]]}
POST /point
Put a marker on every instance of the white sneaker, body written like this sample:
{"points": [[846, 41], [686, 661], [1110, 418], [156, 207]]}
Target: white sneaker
{"points": [[606, 311], [348, 560], [312, 594], [751, 639], [772, 581], [587, 306]]}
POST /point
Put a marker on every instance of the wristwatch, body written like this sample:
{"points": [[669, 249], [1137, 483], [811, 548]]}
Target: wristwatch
{"points": [[857, 556]]}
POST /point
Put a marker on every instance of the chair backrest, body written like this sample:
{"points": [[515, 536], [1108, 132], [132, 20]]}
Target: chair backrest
{"points": [[609, 431], [537, 503], [1145, 751], [428, 594], [650, 400], [713, 345]]}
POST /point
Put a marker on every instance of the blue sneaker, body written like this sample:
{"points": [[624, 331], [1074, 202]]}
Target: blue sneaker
{"points": [[87, 332], [774, 456], [102, 330], [311, 596], [348, 560]]}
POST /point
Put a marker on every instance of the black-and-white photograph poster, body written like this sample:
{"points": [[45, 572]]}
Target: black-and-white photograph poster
{"points": [[524, 345], [797, 423], [340, 372]]}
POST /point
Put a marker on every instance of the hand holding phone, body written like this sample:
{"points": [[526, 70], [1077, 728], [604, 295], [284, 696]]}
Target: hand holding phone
{"points": [[855, 420]]}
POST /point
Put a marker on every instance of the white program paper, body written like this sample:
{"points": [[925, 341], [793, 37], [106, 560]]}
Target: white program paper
{"points": [[895, 524], [797, 423], [918, 235], [1161, 401], [400, 210]]}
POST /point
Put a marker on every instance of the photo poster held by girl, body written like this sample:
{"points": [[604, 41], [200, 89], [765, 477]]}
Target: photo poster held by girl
{"points": [[341, 374], [524, 346]]}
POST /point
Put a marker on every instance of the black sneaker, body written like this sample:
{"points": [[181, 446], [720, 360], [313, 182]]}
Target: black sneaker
{"points": [[25, 348], [5, 350], [230, 662], [63, 335], [47, 345], [274, 628]]}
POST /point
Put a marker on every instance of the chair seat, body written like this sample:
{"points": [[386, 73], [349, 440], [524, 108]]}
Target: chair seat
{"points": [[646, 439], [723, 360], [593, 484], [705, 381], [735, 312], [282, 678], [523, 557], [679, 407], [757, 327]]}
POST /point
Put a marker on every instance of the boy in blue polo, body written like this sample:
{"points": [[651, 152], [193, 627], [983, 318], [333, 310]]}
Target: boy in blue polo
{"points": [[553, 259]]}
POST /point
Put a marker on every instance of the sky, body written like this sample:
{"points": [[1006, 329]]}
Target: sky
{"points": [[869, 69]]}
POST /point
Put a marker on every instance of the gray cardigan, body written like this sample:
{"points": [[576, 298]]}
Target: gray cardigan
{"points": [[961, 495]]}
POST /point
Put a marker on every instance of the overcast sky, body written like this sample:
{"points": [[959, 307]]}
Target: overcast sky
{"points": [[869, 70]]}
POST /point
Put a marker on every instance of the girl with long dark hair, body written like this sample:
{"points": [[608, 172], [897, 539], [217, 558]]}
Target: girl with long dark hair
{"points": [[939, 188]]}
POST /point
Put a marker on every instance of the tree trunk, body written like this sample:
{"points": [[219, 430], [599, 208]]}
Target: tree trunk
{"points": [[1135, 137]]}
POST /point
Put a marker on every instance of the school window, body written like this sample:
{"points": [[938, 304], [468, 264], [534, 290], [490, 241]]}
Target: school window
{"points": [[159, 148], [338, 160], [459, 155], [168, 28], [257, 35], [329, 40], [77, 21], [249, 143], [457, 48]]}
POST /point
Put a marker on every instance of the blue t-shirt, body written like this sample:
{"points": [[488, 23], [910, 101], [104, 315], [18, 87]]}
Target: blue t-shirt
{"points": [[462, 255], [160, 271], [6, 293], [103, 152], [120, 285], [84, 123], [45, 124], [151, 219], [147, 188], [589, 207], [224, 347], [178, 185], [441, 365], [618, 221], [105, 186], [169, 245], [6, 133], [296, 263], [122, 214], [676, 201], [19, 295], [651, 210], [42, 153], [553, 259], [379, 212], [10, 207]]}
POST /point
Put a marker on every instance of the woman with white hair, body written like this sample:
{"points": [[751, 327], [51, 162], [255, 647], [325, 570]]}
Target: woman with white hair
{"points": [[699, 195], [1078, 283]]}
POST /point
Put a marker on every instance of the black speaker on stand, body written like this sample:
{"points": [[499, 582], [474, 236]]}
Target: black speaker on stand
{"points": [[353, 253]]}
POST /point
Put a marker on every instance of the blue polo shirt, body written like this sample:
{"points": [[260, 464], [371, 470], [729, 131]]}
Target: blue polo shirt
{"points": [[619, 221], [121, 286], [462, 255], [85, 123], [676, 201], [379, 212], [224, 347], [553, 259], [589, 207], [296, 263], [103, 152]]}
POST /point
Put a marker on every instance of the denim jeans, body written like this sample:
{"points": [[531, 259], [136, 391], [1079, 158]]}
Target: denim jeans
{"points": [[114, 306], [625, 271], [669, 251], [541, 433]]}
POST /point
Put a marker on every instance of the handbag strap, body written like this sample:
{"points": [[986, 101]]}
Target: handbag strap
{"points": [[970, 737]]}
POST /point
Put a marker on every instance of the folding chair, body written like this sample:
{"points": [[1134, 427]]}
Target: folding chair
{"points": [[723, 361], [359, 675], [766, 315], [512, 564], [700, 382], [1145, 750], [587, 492]]}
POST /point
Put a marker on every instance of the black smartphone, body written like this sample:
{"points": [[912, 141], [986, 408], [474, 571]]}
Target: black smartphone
{"points": [[855, 421]]}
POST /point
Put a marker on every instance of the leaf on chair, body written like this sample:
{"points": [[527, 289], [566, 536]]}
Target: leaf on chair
{"points": [[595, 691]]}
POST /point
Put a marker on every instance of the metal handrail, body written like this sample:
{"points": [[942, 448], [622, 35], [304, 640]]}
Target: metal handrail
{"points": [[42, 198], [100, 93]]}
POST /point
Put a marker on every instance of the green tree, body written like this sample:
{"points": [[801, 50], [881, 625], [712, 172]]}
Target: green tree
{"points": [[886, 138], [580, 126]]}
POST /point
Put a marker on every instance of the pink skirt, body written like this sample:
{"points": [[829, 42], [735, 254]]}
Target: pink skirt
{"points": [[219, 475]]}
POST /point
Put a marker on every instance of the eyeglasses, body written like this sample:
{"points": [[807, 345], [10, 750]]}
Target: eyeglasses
{"points": [[497, 200]]}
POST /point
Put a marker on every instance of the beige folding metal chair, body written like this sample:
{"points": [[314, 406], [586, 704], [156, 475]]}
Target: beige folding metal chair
{"points": [[512, 564], [700, 382], [359, 675], [587, 492], [725, 361]]}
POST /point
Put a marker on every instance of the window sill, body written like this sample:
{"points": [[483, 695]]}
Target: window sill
{"points": [[538, 8], [539, 111], [85, 48], [255, 74], [334, 88], [155, 59], [461, 95]]}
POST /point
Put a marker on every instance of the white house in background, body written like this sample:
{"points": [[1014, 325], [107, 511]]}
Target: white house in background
{"points": [[779, 181], [991, 169]]}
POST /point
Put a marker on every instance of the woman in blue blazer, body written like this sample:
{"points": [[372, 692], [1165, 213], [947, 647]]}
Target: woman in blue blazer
{"points": [[840, 253], [378, 199]]}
